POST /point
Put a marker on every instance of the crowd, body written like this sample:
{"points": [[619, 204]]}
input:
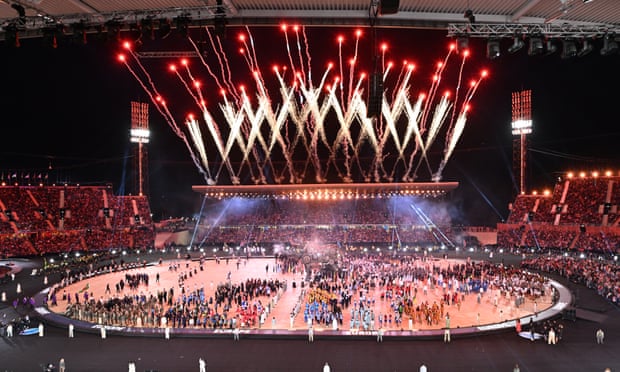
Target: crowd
{"points": [[233, 305], [580, 214], [332, 234], [56, 219], [600, 275], [273, 211], [357, 296]]}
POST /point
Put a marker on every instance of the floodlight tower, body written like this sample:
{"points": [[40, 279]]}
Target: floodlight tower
{"points": [[140, 134], [521, 127]]}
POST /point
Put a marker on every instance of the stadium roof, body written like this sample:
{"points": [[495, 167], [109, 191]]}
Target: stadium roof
{"points": [[329, 191], [34, 17]]}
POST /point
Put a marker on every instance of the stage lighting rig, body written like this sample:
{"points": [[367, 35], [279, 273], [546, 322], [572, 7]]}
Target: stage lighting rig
{"points": [[11, 35], [146, 25], [610, 46], [51, 34], [551, 47], [21, 12], [182, 23], [135, 30], [219, 22], [469, 14], [536, 46], [462, 43], [516, 45], [586, 48], [569, 48], [79, 32], [113, 28], [493, 48], [165, 28]]}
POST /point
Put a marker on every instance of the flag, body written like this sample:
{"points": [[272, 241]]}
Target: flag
{"points": [[86, 287], [14, 175], [27, 175]]}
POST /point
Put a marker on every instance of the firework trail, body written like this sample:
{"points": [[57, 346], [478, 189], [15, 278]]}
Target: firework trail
{"points": [[341, 77], [435, 85], [257, 128], [458, 87], [161, 106], [455, 133]]}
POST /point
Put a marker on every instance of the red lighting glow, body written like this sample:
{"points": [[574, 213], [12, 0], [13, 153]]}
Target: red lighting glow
{"points": [[184, 62], [121, 57], [172, 67]]}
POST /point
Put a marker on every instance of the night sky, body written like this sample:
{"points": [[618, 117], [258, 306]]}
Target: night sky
{"points": [[66, 113]]}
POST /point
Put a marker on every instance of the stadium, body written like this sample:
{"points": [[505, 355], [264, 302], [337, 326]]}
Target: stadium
{"points": [[310, 215]]}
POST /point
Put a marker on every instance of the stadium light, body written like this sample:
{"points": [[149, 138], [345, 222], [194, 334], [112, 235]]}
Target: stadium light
{"points": [[139, 135]]}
